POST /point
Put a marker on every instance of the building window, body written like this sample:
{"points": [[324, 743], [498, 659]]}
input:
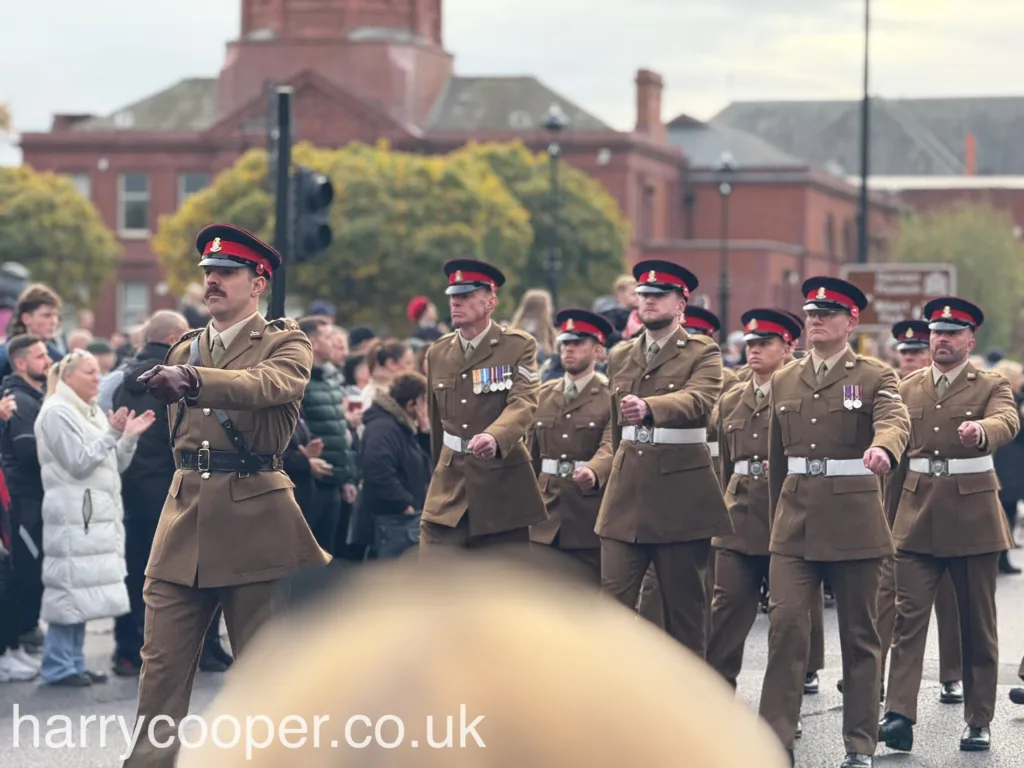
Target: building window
{"points": [[190, 183], [83, 183], [133, 303], [133, 189]]}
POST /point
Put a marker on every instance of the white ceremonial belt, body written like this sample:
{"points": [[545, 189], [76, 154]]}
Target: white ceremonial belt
{"points": [[940, 467], [713, 447], [827, 467], [457, 444], [560, 468], [751, 468], [663, 435]]}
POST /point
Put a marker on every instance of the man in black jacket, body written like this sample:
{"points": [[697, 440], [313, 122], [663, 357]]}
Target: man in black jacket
{"points": [[29, 359]]}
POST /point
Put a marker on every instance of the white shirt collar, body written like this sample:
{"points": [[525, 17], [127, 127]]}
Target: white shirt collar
{"points": [[830, 363], [581, 383], [951, 376]]}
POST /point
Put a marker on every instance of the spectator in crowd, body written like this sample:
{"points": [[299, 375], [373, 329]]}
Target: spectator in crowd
{"points": [[144, 484], [82, 455], [37, 313], [420, 365], [359, 339], [26, 385], [321, 308], [105, 355], [1009, 460], [334, 369], [302, 453], [626, 302], [422, 314], [323, 410], [385, 360], [357, 374], [79, 339], [536, 316]]}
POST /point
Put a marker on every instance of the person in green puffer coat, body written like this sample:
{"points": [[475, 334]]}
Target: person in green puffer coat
{"points": [[334, 472]]}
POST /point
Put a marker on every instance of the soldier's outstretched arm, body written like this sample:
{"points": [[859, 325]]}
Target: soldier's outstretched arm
{"points": [[277, 380], [691, 406], [520, 405], [890, 418], [1001, 422]]}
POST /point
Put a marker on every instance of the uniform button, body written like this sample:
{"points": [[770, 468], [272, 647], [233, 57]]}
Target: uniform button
{"points": [[936, 453], [540, 423], [814, 421], [936, 429], [968, 413], [463, 402], [816, 395], [938, 406], [206, 475], [754, 435], [647, 376], [206, 443], [756, 459], [593, 424], [813, 446], [465, 426], [441, 385], [564, 456], [206, 411], [464, 375], [671, 386], [639, 453], [568, 415], [782, 408], [565, 437]]}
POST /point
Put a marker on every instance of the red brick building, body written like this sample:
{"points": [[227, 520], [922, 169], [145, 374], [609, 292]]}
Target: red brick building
{"points": [[372, 69]]}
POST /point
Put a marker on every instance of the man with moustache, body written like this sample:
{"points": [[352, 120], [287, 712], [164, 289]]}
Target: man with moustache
{"points": [[837, 424], [948, 519], [662, 502], [483, 384], [573, 418]]}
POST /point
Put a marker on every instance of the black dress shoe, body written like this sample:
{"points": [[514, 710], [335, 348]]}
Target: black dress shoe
{"points": [[811, 683], [220, 654], [857, 761], [1005, 566], [975, 740], [73, 681], [896, 732], [1017, 695], [210, 663], [952, 693]]}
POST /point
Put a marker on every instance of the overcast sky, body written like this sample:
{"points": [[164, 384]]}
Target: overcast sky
{"points": [[98, 55]]}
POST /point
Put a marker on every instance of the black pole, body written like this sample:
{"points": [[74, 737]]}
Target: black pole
{"points": [[281, 139], [723, 262], [865, 143], [554, 260]]}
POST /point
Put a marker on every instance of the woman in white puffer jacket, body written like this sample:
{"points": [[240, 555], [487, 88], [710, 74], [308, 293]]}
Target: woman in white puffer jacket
{"points": [[82, 455]]}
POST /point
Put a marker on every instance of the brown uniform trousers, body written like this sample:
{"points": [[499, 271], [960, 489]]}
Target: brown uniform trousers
{"points": [[949, 523], [565, 435], [473, 502], [829, 525], [662, 501], [223, 537]]}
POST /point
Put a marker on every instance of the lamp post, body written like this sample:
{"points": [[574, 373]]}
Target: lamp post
{"points": [[555, 121], [726, 166], [865, 143]]}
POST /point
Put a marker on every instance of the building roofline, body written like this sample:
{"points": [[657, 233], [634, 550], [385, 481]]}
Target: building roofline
{"points": [[805, 175], [570, 140], [952, 182]]}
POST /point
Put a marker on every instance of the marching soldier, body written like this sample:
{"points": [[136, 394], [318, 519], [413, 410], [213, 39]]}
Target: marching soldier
{"points": [[662, 502], [573, 417], [837, 423], [230, 527], [483, 393], [948, 518]]}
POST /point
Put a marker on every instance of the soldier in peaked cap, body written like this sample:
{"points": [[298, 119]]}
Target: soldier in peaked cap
{"points": [[573, 418], [837, 423], [947, 518], [483, 393], [230, 527], [912, 345], [662, 502]]}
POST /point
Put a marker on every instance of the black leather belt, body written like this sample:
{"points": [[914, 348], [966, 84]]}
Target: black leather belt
{"points": [[205, 460]]}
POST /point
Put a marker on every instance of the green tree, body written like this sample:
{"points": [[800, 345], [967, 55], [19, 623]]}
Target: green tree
{"points": [[593, 234], [979, 240], [50, 228], [397, 217]]}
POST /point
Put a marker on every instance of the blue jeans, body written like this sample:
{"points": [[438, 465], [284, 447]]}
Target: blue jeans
{"points": [[394, 534], [63, 652]]}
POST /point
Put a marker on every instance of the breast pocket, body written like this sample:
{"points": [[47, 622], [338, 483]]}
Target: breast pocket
{"points": [[853, 425], [666, 385], [733, 434], [961, 413], [444, 396], [788, 414]]}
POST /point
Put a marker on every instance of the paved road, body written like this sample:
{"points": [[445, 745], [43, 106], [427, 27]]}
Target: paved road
{"points": [[936, 737]]}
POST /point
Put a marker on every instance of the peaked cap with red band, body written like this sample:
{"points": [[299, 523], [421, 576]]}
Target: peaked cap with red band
{"points": [[831, 293], [764, 323], [228, 247], [579, 324], [657, 276], [911, 334], [468, 275], [700, 320], [949, 313]]}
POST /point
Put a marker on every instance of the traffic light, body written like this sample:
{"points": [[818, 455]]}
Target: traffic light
{"points": [[312, 194]]}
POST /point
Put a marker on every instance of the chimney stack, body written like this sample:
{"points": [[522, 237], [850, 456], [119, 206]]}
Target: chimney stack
{"points": [[970, 154], [649, 86]]}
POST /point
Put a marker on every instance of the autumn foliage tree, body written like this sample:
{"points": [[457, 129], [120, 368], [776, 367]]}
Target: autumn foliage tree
{"points": [[397, 217], [50, 228]]}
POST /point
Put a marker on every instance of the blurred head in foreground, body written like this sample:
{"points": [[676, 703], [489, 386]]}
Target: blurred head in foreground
{"points": [[560, 675]]}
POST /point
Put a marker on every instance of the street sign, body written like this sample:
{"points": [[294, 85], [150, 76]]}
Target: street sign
{"points": [[898, 291]]}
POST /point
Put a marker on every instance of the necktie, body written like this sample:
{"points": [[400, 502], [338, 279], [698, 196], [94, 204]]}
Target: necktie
{"points": [[652, 352], [822, 370], [758, 395], [570, 392], [218, 349], [942, 385], [468, 350]]}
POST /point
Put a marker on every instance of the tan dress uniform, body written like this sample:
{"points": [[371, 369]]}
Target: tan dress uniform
{"points": [[948, 519], [473, 502], [662, 502], [223, 537], [567, 433], [828, 522]]}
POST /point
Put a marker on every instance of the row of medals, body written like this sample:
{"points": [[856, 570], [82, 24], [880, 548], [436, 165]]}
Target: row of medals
{"points": [[492, 379]]}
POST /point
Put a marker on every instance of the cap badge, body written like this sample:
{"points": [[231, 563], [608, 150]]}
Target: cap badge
{"points": [[752, 325], [570, 325], [821, 293], [652, 276], [458, 276], [910, 333], [215, 248], [947, 312]]}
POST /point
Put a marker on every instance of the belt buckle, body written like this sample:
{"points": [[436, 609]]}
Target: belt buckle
{"points": [[564, 468], [939, 467], [815, 467], [644, 435], [757, 468], [200, 455]]}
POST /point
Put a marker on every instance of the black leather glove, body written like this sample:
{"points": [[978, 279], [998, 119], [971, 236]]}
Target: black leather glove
{"points": [[171, 383]]}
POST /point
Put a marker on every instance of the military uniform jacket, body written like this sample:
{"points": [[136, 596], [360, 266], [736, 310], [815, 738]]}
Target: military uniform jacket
{"points": [[952, 515], [502, 492], [662, 493], [222, 529], [743, 426], [729, 381], [568, 434], [832, 518]]}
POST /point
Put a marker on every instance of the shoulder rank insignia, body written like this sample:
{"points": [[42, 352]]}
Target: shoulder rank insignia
{"points": [[849, 364], [971, 376]]}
